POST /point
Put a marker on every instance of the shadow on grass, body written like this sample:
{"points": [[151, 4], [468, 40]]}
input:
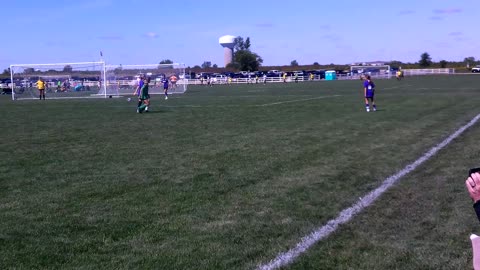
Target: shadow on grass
{"points": [[153, 112]]}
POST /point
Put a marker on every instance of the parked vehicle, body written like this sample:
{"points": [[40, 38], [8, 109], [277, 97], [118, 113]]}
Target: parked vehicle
{"points": [[299, 73], [274, 73], [218, 78], [5, 87], [476, 69]]}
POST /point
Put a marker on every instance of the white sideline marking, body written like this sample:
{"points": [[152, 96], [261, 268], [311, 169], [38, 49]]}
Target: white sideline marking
{"points": [[388, 88], [258, 105], [296, 100], [347, 214]]}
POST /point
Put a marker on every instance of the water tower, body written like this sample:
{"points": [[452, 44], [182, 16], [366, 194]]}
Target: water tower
{"points": [[227, 42]]}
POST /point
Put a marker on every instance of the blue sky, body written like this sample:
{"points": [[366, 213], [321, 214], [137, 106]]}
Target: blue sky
{"points": [[145, 32]]}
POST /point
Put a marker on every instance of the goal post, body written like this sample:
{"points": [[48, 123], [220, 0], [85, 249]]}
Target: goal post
{"points": [[62, 80], [123, 79]]}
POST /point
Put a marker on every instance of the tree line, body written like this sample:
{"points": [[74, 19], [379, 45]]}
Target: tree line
{"points": [[246, 60]]}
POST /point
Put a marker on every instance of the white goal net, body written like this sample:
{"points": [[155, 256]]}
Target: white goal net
{"points": [[122, 79], [62, 80]]}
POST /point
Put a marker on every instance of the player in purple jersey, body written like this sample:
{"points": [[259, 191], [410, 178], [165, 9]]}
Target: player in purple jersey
{"points": [[369, 91], [140, 83], [165, 86]]}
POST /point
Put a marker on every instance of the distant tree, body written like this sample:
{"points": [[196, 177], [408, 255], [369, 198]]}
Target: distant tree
{"points": [[166, 62], [197, 67], [247, 43], [425, 60], [241, 44], [67, 68], [316, 64], [294, 63], [234, 65], [215, 66], [118, 70], [248, 60], [207, 64], [470, 61], [28, 70], [395, 64], [244, 59], [443, 64], [6, 71]]}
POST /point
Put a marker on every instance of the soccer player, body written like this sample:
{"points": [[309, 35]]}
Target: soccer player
{"points": [[41, 88], [138, 89], [284, 77], [369, 91], [144, 98], [312, 76], [174, 79], [264, 78], [165, 87]]}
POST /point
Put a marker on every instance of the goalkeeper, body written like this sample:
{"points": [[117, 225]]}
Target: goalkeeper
{"points": [[41, 86]]}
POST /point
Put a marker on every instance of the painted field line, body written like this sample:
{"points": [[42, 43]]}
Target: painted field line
{"points": [[296, 100], [235, 105], [347, 214], [389, 88]]}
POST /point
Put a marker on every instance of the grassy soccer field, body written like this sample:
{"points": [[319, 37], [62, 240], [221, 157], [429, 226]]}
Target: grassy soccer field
{"points": [[229, 176]]}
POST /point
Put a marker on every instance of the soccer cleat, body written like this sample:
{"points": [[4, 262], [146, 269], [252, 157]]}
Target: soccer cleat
{"points": [[368, 110], [166, 97]]}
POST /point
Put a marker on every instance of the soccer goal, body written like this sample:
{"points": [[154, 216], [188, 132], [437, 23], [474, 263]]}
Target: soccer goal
{"points": [[379, 71], [123, 79], [62, 80]]}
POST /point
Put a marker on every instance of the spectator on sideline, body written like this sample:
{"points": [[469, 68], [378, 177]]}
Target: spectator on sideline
{"points": [[59, 86]]}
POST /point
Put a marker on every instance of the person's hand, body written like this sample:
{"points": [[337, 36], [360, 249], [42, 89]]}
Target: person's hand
{"points": [[473, 186]]}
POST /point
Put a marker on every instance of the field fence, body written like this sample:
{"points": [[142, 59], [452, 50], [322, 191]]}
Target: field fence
{"points": [[288, 79]]}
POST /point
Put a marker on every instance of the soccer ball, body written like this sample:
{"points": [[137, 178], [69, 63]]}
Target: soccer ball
{"points": [[129, 99]]}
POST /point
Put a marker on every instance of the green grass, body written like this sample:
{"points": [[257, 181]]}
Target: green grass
{"points": [[227, 177]]}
